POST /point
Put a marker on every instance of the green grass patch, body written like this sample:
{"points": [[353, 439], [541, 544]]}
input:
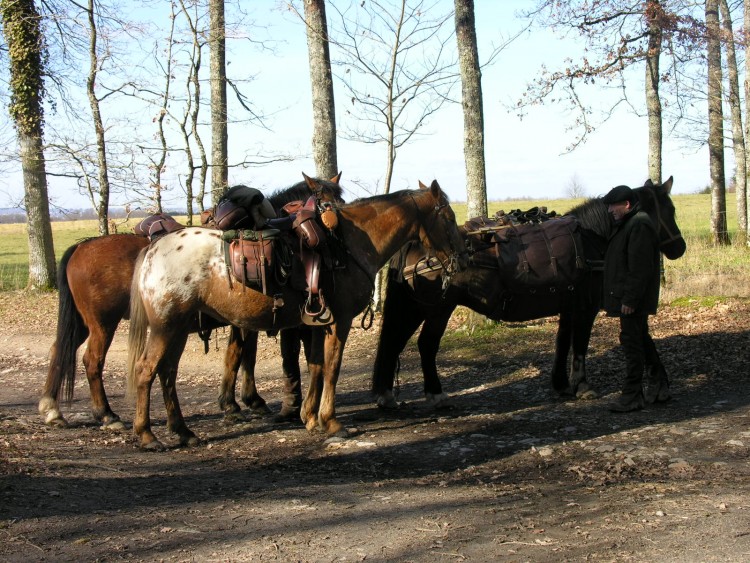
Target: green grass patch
{"points": [[705, 270]]}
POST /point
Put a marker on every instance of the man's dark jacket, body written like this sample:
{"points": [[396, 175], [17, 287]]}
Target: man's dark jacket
{"points": [[631, 266]]}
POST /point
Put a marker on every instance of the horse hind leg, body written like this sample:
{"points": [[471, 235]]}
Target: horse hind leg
{"points": [[48, 406], [99, 342]]}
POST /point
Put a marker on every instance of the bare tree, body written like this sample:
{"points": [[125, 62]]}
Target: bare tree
{"points": [[575, 189], [192, 112], [396, 68], [654, 16], [321, 82], [471, 97], [716, 125], [26, 50], [735, 108], [746, 6], [96, 115]]}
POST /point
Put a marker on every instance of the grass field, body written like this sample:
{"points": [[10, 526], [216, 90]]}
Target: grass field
{"points": [[704, 271]]}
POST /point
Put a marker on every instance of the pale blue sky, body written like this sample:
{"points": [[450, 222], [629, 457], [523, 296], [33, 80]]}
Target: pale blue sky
{"points": [[525, 158]]}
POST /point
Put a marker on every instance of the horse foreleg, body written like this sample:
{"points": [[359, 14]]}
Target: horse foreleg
{"points": [[250, 395], [581, 338], [333, 350], [232, 360], [315, 362], [429, 344], [99, 341], [144, 373], [168, 378], [560, 381], [289, 342]]}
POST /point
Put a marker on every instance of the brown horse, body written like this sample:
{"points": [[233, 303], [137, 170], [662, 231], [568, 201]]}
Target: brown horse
{"points": [[184, 273], [94, 279]]}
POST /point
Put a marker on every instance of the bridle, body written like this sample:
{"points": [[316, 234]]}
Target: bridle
{"points": [[451, 265], [671, 236]]}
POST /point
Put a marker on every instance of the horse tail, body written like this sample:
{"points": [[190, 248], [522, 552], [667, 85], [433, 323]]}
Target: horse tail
{"points": [[71, 333], [138, 325]]}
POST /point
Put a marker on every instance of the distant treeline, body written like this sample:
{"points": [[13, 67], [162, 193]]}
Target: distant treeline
{"points": [[19, 216]]}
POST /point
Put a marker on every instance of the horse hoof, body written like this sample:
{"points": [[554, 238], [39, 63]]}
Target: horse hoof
{"points": [[311, 424], [232, 418], [190, 441], [586, 394], [387, 402], [57, 422], [115, 425], [439, 402], [287, 416], [155, 446], [261, 410]]}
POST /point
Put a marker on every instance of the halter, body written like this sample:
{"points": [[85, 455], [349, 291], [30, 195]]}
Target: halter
{"points": [[450, 266], [671, 237]]}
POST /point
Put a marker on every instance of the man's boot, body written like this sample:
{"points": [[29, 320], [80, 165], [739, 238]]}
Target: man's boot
{"points": [[656, 384], [628, 402]]}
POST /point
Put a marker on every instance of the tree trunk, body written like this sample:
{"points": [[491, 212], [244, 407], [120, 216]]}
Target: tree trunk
{"points": [[321, 82], [738, 139], [715, 126], [23, 37], [218, 79], [654, 14], [102, 208], [747, 109], [471, 96]]}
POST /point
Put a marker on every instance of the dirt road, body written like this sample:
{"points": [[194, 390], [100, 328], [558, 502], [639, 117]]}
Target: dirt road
{"points": [[511, 473]]}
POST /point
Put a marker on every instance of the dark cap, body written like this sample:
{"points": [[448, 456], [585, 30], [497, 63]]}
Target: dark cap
{"points": [[618, 194]]}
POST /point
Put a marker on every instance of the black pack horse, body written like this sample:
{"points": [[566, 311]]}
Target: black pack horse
{"points": [[484, 291]]}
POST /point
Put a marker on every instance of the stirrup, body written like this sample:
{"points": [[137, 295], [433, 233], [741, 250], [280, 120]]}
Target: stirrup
{"points": [[322, 317]]}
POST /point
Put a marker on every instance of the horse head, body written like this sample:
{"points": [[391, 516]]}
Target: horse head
{"points": [[655, 200], [440, 233]]}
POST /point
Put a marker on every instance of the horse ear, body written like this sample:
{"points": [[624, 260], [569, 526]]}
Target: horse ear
{"points": [[421, 185], [668, 185], [337, 178], [435, 189], [311, 183], [648, 183]]}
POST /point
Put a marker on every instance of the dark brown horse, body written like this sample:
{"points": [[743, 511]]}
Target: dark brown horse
{"points": [[185, 272], [94, 279], [484, 290]]}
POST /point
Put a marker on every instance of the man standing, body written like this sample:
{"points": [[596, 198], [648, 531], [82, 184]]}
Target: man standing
{"points": [[631, 292]]}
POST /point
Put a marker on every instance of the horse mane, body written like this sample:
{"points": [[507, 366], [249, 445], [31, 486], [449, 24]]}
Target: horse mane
{"points": [[592, 214], [301, 191]]}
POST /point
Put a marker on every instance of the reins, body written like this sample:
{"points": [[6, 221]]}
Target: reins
{"points": [[451, 264]]}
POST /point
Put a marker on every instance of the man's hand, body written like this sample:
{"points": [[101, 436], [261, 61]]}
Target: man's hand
{"points": [[627, 309]]}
